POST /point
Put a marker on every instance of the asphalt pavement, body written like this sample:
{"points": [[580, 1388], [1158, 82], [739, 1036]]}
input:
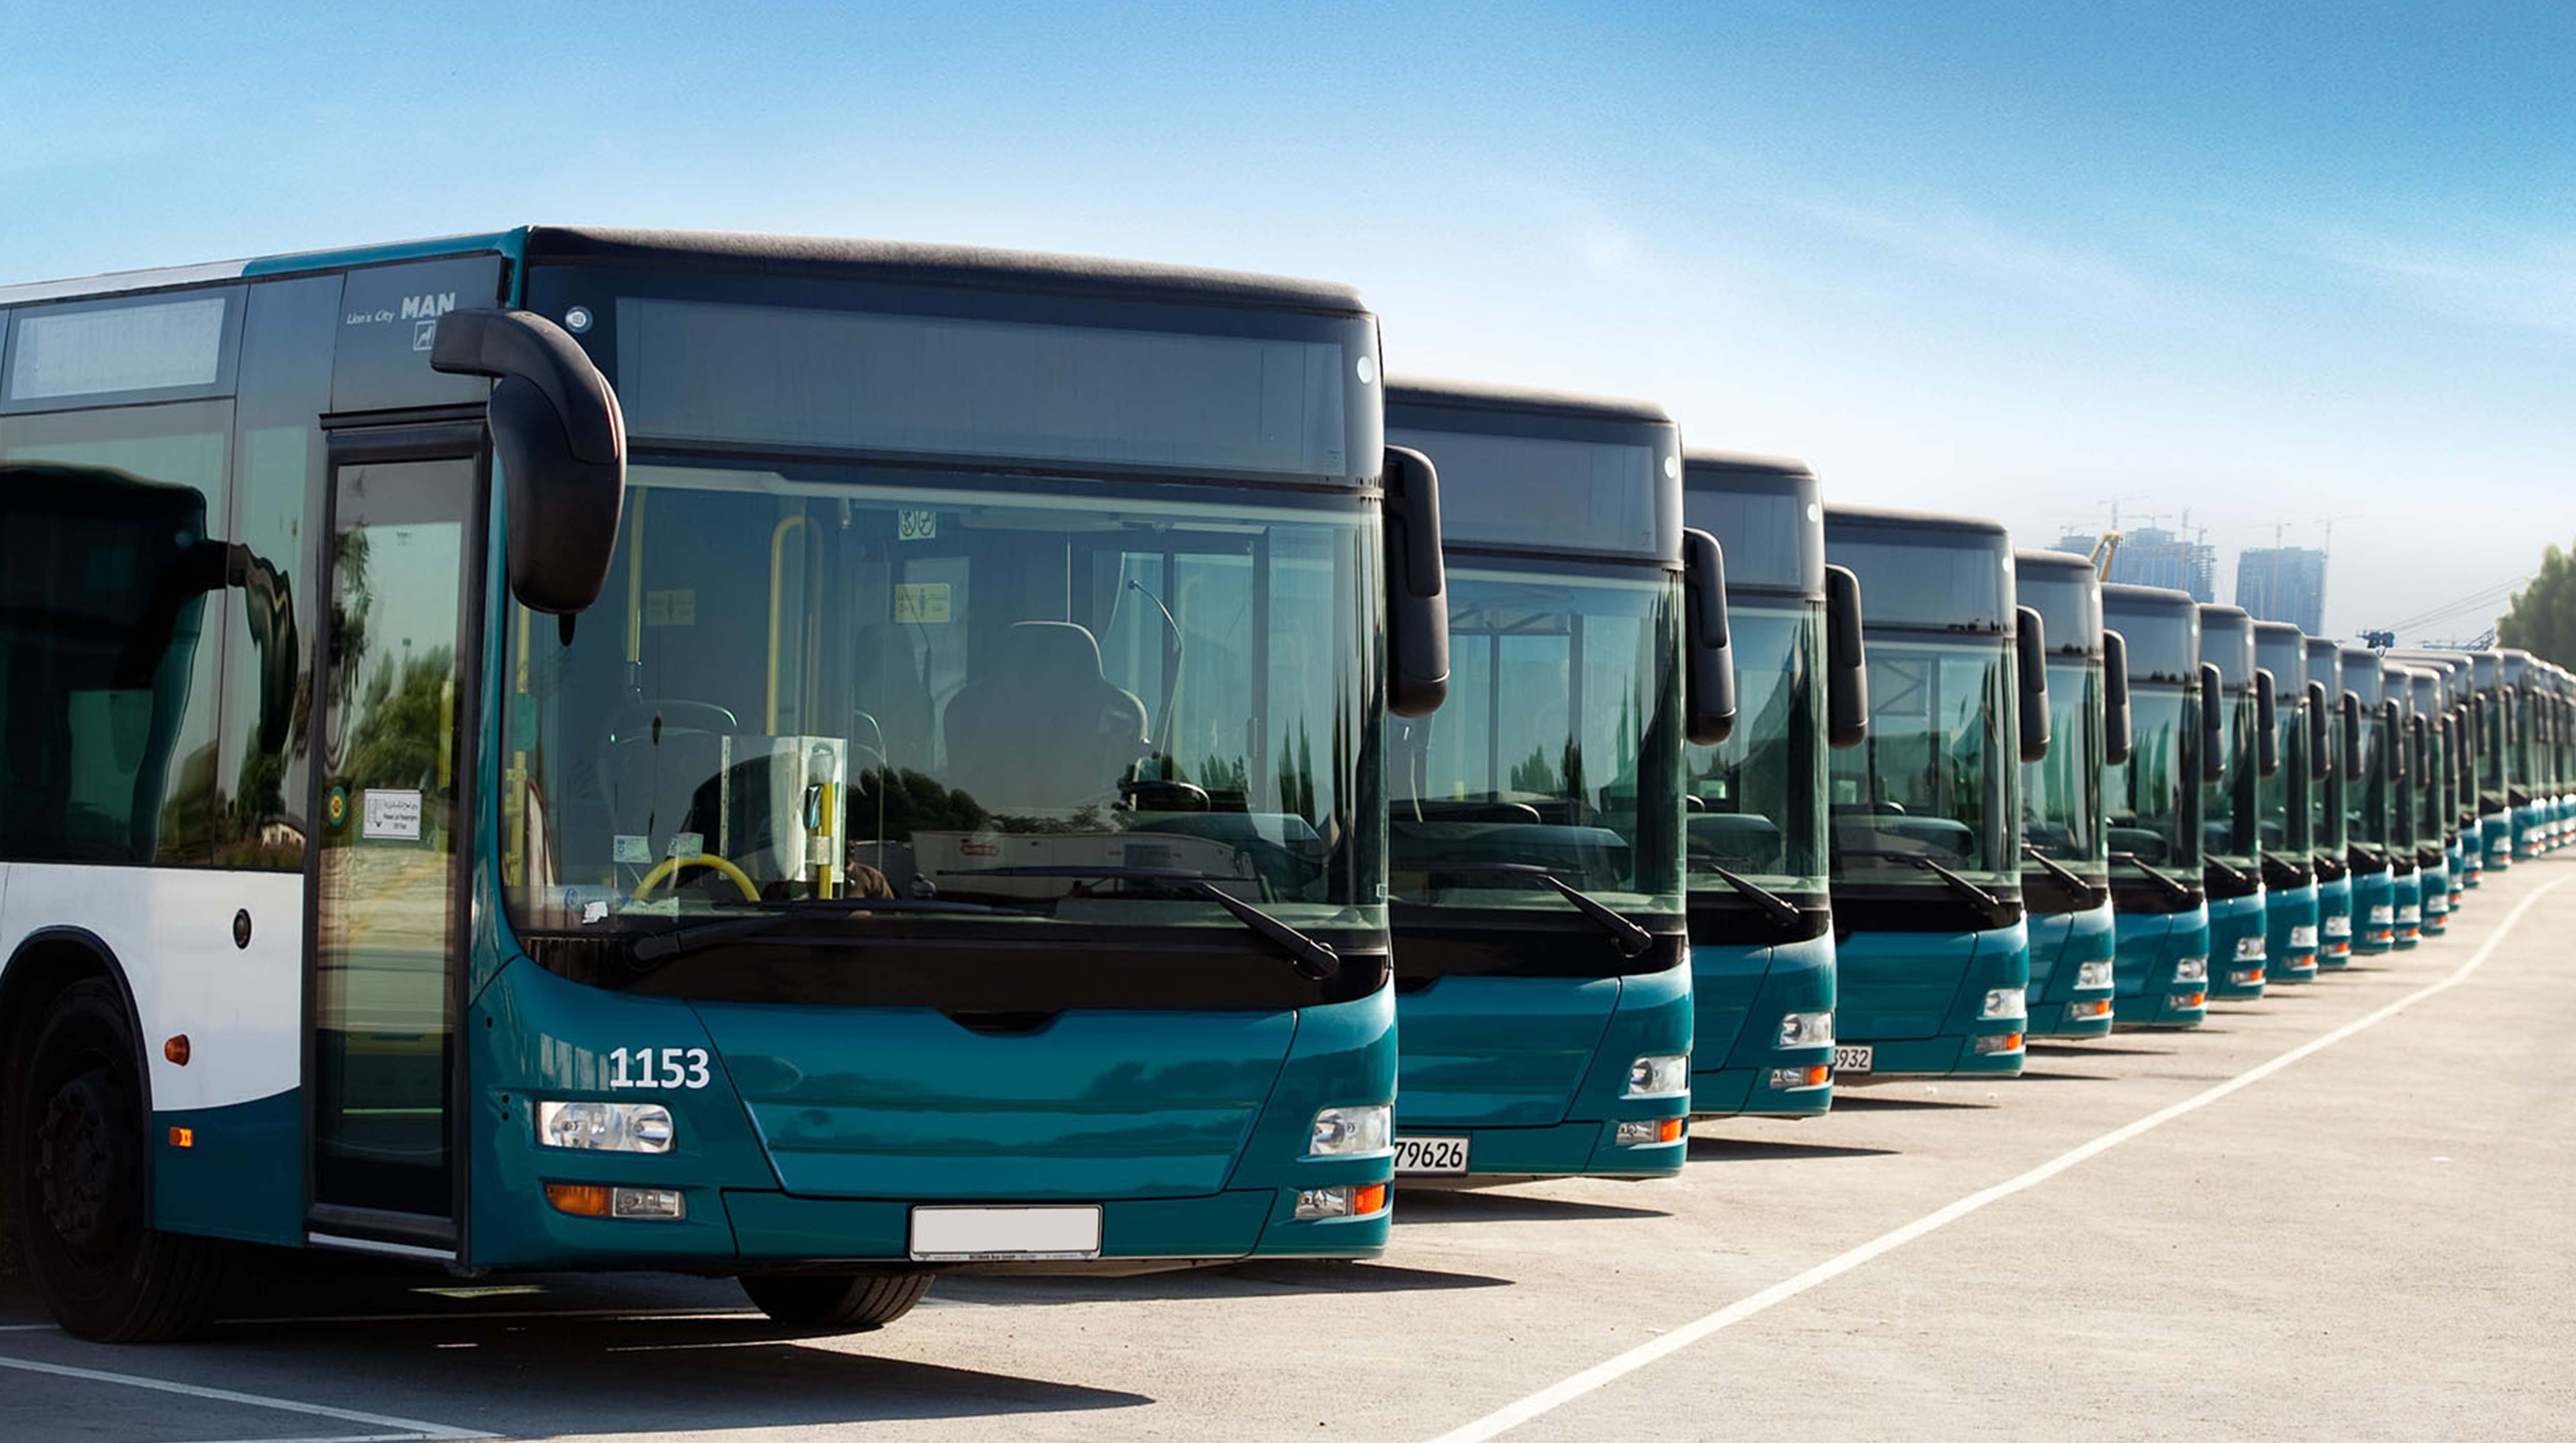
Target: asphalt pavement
{"points": [[2347, 1210]]}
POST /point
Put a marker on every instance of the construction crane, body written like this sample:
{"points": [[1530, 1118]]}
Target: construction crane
{"points": [[2104, 548]]}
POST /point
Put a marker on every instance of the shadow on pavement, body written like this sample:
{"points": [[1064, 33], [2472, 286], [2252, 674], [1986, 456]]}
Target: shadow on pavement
{"points": [[1731, 1149], [2088, 1049], [1446, 1205], [1863, 1102], [1269, 1278]]}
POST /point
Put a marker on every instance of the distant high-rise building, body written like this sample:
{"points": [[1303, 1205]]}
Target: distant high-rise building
{"points": [[2153, 556], [2284, 583]]}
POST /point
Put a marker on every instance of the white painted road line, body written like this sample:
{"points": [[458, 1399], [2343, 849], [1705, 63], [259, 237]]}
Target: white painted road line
{"points": [[411, 1428], [1601, 1374]]}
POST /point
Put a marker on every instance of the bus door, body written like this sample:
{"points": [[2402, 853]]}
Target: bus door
{"points": [[394, 684]]}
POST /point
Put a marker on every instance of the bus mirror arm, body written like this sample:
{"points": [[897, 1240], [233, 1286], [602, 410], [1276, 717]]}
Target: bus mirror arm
{"points": [[1846, 662], [2419, 761], [2119, 729], [1417, 632], [2030, 646], [2267, 723], [2389, 717], [2213, 723], [2320, 740], [2348, 706], [1708, 658], [561, 444]]}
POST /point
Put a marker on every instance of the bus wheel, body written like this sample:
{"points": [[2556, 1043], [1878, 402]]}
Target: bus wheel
{"points": [[851, 1302], [75, 1159]]}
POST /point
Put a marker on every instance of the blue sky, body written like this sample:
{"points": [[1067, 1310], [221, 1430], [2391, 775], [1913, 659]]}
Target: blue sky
{"points": [[2271, 263]]}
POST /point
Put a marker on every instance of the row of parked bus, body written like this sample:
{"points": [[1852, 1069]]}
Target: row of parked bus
{"points": [[834, 762]]}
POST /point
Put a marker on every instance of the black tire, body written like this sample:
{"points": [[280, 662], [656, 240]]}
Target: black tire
{"points": [[849, 1302], [76, 1162]]}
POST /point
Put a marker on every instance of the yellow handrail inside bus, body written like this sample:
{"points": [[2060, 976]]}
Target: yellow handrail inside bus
{"points": [[669, 865]]}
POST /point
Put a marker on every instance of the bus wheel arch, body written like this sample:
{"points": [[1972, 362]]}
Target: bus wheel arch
{"points": [[75, 1155]]}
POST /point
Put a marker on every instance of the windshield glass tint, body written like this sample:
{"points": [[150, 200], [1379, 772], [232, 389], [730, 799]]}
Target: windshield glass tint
{"points": [[794, 687], [2282, 798], [1550, 493], [1556, 748], [2152, 799], [2061, 796], [1929, 783], [1756, 801], [1937, 579], [2227, 802]]}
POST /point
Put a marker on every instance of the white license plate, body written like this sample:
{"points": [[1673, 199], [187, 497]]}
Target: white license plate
{"points": [[1430, 1156], [1003, 1235], [1850, 1058]]}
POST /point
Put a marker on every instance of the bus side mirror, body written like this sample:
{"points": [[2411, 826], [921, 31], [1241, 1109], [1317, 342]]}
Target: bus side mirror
{"points": [[1846, 662], [1708, 661], [2119, 731], [2389, 719], [2213, 723], [561, 444], [1417, 599], [2267, 724], [2030, 647], [2320, 740], [2348, 706], [2419, 756]]}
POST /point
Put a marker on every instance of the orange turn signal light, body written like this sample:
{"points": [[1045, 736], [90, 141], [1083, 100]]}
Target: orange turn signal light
{"points": [[1819, 1075], [583, 1200], [1671, 1130], [1367, 1200], [183, 1137], [2192, 999], [176, 1049]]}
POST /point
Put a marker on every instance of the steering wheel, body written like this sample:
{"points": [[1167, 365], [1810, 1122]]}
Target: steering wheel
{"points": [[670, 866]]}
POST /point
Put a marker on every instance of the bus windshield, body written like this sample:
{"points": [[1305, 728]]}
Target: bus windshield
{"points": [[1079, 701], [2287, 825], [1754, 800], [2152, 803], [1554, 749], [2061, 796], [1928, 786], [2228, 800]]}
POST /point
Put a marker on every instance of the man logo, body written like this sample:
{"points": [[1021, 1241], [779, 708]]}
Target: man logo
{"points": [[428, 308]]}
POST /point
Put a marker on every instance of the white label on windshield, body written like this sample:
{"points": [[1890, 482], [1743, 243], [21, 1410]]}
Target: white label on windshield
{"points": [[631, 848], [394, 814], [671, 608], [687, 844], [921, 602]]}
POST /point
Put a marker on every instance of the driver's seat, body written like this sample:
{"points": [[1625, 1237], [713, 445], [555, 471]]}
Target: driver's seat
{"points": [[1038, 726]]}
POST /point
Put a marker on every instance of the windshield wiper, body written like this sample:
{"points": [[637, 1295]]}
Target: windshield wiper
{"points": [[1778, 908], [2176, 890], [661, 946], [1312, 956], [1993, 905], [2233, 875], [2082, 887], [2289, 870], [1631, 939]]}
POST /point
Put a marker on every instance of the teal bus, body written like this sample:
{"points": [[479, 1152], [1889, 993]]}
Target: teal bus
{"points": [[1542, 956], [816, 761], [2406, 882], [2435, 835], [1761, 919], [2152, 806], [2461, 855], [2065, 848], [2330, 774], [2519, 675], [2237, 736], [2376, 864], [2285, 827], [2493, 720], [1931, 952]]}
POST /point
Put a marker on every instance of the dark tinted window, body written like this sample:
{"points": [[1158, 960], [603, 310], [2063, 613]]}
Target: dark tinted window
{"points": [[2164, 641], [1952, 580], [1554, 493], [108, 654], [148, 348], [1771, 539], [2069, 605]]}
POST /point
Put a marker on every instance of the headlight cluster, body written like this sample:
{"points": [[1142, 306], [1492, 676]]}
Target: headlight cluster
{"points": [[2192, 969], [1807, 1029], [2093, 976], [1663, 1075], [605, 1126], [1342, 1131], [2004, 1004]]}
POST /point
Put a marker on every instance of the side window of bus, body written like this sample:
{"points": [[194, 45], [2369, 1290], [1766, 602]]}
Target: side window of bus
{"points": [[109, 660]]}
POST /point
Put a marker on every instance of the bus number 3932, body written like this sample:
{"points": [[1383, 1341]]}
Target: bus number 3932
{"points": [[679, 1067]]}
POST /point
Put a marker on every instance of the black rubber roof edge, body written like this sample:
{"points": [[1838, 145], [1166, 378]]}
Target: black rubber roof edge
{"points": [[1928, 520], [1438, 391], [914, 262]]}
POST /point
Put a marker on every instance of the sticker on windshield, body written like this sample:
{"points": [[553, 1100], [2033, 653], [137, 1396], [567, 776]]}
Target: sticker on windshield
{"points": [[671, 608], [916, 525], [390, 813], [921, 602], [687, 844], [627, 847]]}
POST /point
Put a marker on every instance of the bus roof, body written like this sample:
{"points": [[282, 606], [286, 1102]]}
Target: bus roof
{"points": [[1893, 519], [1728, 468], [2128, 597], [895, 262], [1443, 393]]}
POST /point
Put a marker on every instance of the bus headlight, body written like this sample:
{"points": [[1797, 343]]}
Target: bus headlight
{"points": [[2093, 976], [1341, 1131], [605, 1126], [1662, 1075], [2004, 1004], [1807, 1029], [2191, 969]]}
